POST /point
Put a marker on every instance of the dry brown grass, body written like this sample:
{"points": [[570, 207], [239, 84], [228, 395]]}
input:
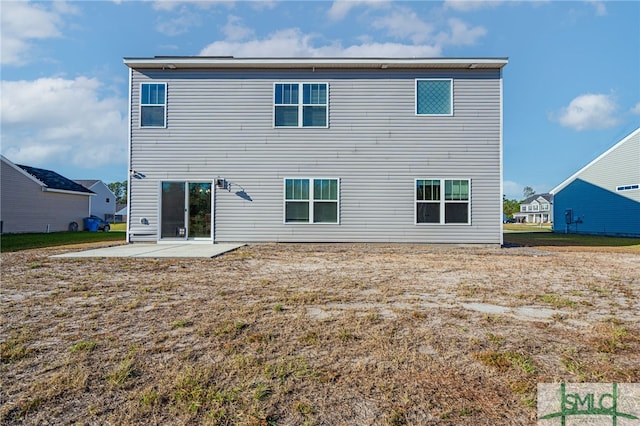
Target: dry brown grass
{"points": [[294, 334]]}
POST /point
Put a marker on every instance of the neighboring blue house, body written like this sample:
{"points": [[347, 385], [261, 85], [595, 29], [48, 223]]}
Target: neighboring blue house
{"points": [[604, 196], [229, 149]]}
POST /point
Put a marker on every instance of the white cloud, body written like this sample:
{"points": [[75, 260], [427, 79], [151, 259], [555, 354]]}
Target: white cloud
{"points": [[170, 5], [461, 34], [179, 24], [234, 29], [293, 42], [636, 109], [601, 8], [24, 22], [53, 120], [590, 111], [181, 15], [404, 23], [341, 8], [470, 5], [263, 5]]}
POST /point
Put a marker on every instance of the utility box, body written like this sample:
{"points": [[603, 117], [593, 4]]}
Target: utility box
{"points": [[568, 216]]}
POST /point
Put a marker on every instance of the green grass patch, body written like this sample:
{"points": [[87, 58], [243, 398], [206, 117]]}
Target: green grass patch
{"points": [[527, 227], [17, 242], [558, 239], [83, 345]]}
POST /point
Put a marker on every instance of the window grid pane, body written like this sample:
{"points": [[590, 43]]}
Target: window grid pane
{"points": [[152, 94], [287, 116], [428, 190], [456, 190], [314, 116], [433, 97], [325, 189], [314, 94], [325, 212], [297, 189], [428, 213], [286, 94], [456, 213], [297, 211]]}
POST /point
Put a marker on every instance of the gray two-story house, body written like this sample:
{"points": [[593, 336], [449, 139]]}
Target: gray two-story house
{"points": [[227, 149], [537, 208]]}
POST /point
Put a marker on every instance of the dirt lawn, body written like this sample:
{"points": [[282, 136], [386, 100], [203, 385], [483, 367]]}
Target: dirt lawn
{"points": [[326, 334]]}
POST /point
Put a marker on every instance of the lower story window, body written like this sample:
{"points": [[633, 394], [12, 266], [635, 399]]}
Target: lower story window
{"points": [[443, 201], [311, 200]]}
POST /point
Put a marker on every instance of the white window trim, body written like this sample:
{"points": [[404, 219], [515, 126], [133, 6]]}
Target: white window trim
{"points": [[311, 201], [442, 202], [166, 96], [300, 105], [415, 96]]}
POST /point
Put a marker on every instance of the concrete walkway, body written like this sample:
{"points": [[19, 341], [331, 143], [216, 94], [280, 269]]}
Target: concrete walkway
{"points": [[156, 250]]}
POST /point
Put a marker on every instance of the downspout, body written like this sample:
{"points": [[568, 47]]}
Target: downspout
{"points": [[501, 160], [128, 237]]}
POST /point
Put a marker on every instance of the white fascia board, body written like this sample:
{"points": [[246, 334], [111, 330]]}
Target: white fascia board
{"points": [[566, 182], [174, 62], [64, 191]]}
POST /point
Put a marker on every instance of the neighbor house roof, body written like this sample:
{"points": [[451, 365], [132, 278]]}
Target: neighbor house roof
{"points": [[53, 181], [86, 183], [530, 199], [174, 62]]}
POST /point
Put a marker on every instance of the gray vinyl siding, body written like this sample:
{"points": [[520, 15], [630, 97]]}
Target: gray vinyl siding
{"points": [[220, 124], [619, 167]]}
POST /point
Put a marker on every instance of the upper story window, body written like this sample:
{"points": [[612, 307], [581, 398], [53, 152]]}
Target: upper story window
{"points": [[443, 201], [434, 97], [300, 105], [311, 200], [153, 104]]}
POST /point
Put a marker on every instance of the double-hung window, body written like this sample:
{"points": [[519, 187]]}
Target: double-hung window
{"points": [[300, 105], [311, 200], [434, 97], [153, 104], [443, 201]]}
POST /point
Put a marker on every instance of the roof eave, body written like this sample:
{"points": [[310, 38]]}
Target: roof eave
{"points": [[190, 62]]}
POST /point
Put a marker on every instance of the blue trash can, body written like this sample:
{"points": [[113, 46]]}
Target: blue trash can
{"points": [[90, 224]]}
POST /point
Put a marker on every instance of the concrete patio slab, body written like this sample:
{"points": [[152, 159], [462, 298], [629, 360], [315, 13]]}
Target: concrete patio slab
{"points": [[157, 250]]}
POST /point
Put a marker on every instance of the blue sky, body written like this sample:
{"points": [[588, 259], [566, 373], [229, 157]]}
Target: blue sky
{"points": [[571, 88]]}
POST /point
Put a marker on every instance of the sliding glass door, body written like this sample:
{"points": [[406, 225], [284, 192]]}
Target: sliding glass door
{"points": [[186, 210]]}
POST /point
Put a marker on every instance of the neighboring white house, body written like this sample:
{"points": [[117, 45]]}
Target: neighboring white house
{"points": [[604, 196], [40, 200], [121, 214], [103, 204], [536, 209], [315, 149]]}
